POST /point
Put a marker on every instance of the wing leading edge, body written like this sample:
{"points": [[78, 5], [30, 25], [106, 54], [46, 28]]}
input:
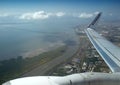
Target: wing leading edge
{"points": [[108, 51]]}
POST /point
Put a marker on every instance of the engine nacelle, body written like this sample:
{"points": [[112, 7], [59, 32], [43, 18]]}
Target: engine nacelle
{"points": [[90, 78]]}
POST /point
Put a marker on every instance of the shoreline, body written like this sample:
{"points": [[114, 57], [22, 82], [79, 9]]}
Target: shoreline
{"points": [[39, 51]]}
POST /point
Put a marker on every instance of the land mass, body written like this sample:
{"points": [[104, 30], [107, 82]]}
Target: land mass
{"points": [[35, 66]]}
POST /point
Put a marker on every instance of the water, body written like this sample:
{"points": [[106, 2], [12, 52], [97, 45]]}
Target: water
{"points": [[25, 39]]}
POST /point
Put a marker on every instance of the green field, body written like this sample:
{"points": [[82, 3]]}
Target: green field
{"points": [[15, 67]]}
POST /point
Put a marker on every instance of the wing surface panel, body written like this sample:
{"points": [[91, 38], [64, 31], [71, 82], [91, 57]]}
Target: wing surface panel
{"points": [[108, 51]]}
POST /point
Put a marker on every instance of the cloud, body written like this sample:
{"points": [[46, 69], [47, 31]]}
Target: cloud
{"points": [[87, 15], [96, 13], [35, 15], [59, 14], [40, 15]]}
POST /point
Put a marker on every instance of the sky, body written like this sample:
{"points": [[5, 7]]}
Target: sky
{"points": [[35, 10]]}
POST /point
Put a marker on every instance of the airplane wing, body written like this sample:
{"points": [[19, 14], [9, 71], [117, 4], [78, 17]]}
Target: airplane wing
{"points": [[108, 51]]}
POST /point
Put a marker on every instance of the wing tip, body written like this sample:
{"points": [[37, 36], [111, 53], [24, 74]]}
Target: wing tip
{"points": [[95, 20]]}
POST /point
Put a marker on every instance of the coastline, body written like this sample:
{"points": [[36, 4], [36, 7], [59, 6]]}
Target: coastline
{"points": [[39, 51]]}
